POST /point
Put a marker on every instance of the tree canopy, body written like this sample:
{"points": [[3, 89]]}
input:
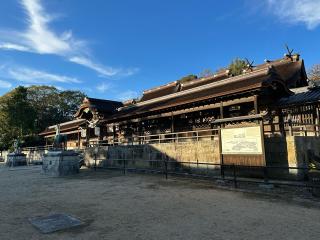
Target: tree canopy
{"points": [[187, 78], [236, 66], [25, 111], [206, 73]]}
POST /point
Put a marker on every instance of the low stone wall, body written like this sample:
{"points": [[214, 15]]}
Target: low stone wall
{"points": [[32, 156], [16, 159], [293, 151], [35, 156], [138, 155], [4, 156]]}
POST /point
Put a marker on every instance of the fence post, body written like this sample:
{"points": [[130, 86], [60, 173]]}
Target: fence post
{"points": [[234, 176], [95, 162], [124, 166], [222, 170], [290, 128], [265, 174], [166, 167]]}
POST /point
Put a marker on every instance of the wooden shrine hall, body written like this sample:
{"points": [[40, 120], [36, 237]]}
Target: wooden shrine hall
{"points": [[275, 93]]}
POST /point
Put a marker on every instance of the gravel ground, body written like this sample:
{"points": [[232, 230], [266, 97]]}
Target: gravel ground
{"points": [[140, 206]]}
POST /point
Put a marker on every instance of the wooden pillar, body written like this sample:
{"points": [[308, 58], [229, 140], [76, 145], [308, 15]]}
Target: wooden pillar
{"points": [[272, 128], [262, 142], [281, 122], [255, 103], [172, 122], [290, 125], [79, 139], [221, 110], [317, 120]]}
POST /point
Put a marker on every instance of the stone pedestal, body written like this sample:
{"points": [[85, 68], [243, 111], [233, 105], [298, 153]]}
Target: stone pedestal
{"points": [[61, 163], [16, 159]]}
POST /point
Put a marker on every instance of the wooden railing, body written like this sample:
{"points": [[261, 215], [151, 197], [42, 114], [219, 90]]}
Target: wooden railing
{"points": [[162, 138], [294, 129], [37, 148]]}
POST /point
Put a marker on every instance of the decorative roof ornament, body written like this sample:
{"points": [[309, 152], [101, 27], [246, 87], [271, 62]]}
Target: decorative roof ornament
{"points": [[249, 65], [289, 52]]}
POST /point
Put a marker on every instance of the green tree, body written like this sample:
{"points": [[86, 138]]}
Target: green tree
{"points": [[236, 66], [69, 102], [44, 99], [17, 116], [187, 78], [24, 112], [53, 106], [206, 73]]}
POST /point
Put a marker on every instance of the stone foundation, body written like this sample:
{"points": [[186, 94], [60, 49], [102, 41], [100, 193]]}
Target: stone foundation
{"points": [[16, 159], [61, 163], [282, 152]]}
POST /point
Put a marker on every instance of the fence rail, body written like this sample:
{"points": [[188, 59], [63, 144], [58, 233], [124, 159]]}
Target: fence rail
{"points": [[37, 148], [227, 172]]}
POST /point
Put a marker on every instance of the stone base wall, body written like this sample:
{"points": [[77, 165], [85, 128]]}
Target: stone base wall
{"points": [[4, 156], [137, 156], [35, 156], [294, 151], [14, 160]]}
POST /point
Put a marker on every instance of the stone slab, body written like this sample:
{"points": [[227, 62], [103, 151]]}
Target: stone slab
{"points": [[54, 222]]}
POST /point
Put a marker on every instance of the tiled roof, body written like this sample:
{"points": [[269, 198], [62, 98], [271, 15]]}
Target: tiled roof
{"points": [[289, 69], [301, 95], [286, 72]]}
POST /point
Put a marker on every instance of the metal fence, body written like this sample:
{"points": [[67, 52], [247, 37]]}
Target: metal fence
{"points": [[305, 177]]}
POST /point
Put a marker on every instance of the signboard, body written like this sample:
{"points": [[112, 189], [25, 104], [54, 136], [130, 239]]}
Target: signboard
{"points": [[245, 140]]}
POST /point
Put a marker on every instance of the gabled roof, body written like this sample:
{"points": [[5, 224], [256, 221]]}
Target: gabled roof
{"points": [[290, 69], [66, 126], [273, 75], [98, 106]]}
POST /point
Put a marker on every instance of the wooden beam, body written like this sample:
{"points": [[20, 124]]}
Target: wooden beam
{"points": [[192, 109]]}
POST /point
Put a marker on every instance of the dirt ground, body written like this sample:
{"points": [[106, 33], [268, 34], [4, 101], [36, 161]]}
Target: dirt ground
{"points": [[141, 206]]}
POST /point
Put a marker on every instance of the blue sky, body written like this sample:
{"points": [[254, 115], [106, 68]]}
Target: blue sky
{"points": [[115, 49]]}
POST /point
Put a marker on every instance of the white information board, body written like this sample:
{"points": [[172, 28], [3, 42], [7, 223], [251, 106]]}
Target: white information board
{"points": [[244, 140]]}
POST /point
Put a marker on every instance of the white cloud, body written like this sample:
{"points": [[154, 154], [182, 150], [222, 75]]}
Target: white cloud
{"points": [[297, 11], [126, 95], [103, 70], [40, 38], [11, 46], [5, 84], [103, 87], [33, 76]]}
